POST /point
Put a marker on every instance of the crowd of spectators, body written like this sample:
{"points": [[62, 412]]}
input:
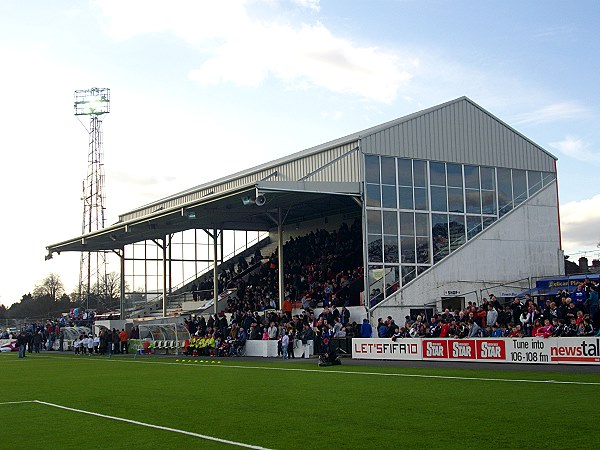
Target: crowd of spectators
{"points": [[574, 314]]}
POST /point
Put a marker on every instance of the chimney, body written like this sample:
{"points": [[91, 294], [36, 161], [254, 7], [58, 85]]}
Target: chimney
{"points": [[583, 264]]}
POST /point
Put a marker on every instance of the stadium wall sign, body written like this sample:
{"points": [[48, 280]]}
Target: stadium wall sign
{"points": [[505, 350]]}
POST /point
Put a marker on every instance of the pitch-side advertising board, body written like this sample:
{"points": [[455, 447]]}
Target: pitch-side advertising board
{"points": [[506, 350]]}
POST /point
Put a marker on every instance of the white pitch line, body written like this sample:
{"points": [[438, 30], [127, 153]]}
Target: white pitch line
{"points": [[346, 372], [150, 425], [16, 403]]}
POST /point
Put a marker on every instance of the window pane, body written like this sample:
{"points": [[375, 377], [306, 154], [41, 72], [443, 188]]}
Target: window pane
{"points": [[473, 201], [373, 195], [438, 173], [420, 173], [488, 178], [455, 200], [390, 249], [519, 186], [438, 199], [392, 280], [422, 224], [423, 250], [504, 191], [376, 280], [472, 177], [390, 222], [457, 231], [487, 221], [548, 177], [534, 180], [454, 175], [406, 197], [372, 169], [388, 196], [407, 226], [375, 250], [373, 222], [408, 274], [473, 226], [405, 172], [388, 170], [421, 201], [488, 201], [439, 233], [407, 247]]}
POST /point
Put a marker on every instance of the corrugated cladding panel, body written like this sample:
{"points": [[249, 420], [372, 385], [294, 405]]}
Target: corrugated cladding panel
{"points": [[459, 132], [346, 168]]}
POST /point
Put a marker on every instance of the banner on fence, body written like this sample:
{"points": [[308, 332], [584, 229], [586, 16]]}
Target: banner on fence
{"points": [[524, 350]]}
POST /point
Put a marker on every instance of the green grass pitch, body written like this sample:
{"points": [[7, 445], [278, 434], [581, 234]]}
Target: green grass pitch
{"points": [[285, 405]]}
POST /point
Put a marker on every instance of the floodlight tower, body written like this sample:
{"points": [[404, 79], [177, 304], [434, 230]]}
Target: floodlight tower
{"points": [[94, 102]]}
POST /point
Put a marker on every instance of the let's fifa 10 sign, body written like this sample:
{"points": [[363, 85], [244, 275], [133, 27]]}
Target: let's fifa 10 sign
{"points": [[506, 350]]}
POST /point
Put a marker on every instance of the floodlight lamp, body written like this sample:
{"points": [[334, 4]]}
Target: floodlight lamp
{"points": [[92, 102]]}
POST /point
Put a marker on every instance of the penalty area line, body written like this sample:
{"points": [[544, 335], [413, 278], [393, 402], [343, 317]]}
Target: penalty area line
{"points": [[150, 425]]}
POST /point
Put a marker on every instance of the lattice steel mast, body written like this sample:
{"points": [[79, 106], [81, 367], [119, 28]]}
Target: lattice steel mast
{"points": [[94, 102]]}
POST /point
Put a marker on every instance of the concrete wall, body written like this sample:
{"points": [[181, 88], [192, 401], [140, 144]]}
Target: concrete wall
{"points": [[524, 243]]}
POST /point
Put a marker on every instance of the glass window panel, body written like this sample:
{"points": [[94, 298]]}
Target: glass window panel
{"points": [[519, 178], [438, 199], [455, 200], [373, 195], [439, 235], [423, 250], [421, 200], [422, 224], [548, 177], [504, 191], [405, 177], [438, 173], [472, 177], [392, 280], [420, 173], [408, 274], [372, 169], [488, 202], [373, 221], [473, 201], [376, 287], [487, 221], [390, 249], [407, 248], [406, 197], [375, 248], [534, 180], [488, 178], [473, 226], [407, 225], [421, 269], [388, 196], [390, 222], [454, 175], [388, 170], [456, 231]]}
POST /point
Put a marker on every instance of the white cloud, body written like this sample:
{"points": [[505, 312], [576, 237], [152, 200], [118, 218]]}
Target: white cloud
{"points": [[576, 148], [310, 4], [553, 113], [580, 225], [246, 52]]}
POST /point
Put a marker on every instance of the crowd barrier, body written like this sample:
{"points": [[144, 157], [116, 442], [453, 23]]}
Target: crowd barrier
{"points": [[564, 350]]}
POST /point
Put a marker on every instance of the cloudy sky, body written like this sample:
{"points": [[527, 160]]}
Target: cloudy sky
{"points": [[202, 88]]}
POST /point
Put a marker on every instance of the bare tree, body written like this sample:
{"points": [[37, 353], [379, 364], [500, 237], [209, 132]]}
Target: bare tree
{"points": [[51, 286]]}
